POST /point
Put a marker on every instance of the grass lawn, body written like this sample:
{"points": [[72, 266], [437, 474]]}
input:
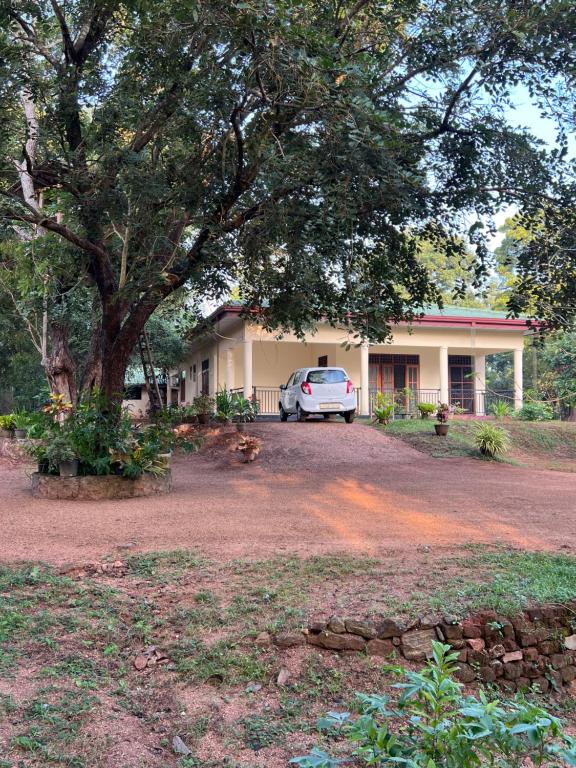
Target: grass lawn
{"points": [[548, 445], [70, 694]]}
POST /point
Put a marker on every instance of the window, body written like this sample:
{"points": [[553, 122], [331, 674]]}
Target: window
{"points": [[290, 381], [323, 361], [193, 372], [206, 376], [327, 376], [133, 392]]}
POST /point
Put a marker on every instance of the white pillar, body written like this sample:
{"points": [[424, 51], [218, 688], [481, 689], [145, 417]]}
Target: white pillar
{"points": [[480, 384], [365, 379], [443, 370], [229, 369], [248, 368], [518, 381], [215, 372]]}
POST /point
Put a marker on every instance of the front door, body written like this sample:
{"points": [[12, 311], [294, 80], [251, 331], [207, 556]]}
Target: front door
{"points": [[205, 382], [461, 382]]}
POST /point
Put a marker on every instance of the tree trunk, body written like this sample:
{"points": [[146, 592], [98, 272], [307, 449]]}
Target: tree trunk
{"points": [[92, 375], [60, 368], [571, 413]]}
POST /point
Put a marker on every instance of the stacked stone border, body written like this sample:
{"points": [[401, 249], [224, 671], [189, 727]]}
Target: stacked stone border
{"points": [[536, 648], [99, 487]]}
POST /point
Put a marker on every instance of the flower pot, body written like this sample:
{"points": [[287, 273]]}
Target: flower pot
{"points": [[249, 456], [68, 468], [241, 428], [43, 467], [441, 429], [203, 418], [6, 433], [20, 434]]}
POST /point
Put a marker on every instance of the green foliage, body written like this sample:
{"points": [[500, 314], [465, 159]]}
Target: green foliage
{"points": [[224, 405], [7, 422], [59, 447], [435, 726], [535, 411], [21, 419], [426, 409], [383, 407], [491, 440], [244, 410], [501, 409], [203, 404], [443, 413]]}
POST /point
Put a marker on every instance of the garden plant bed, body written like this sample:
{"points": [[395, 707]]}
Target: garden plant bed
{"points": [[99, 487]]}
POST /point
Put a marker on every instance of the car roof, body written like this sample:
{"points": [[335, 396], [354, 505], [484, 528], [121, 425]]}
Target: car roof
{"points": [[322, 368]]}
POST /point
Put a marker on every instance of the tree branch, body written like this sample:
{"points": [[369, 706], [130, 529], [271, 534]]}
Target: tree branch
{"points": [[69, 52]]}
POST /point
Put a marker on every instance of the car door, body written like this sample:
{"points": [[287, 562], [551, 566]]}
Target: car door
{"points": [[284, 396], [292, 392]]}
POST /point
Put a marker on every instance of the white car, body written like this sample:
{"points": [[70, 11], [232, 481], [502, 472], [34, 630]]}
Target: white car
{"points": [[318, 391]]}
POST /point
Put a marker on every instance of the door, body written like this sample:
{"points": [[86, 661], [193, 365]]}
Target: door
{"points": [[461, 383], [205, 383], [292, 391]]}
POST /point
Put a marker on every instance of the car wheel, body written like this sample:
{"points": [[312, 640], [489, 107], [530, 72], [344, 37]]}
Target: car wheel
{"points": [[349, 416], [300, 414], [283, 414]]}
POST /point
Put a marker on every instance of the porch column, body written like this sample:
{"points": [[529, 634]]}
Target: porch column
{"points": [[248, 368], [518, 382], [229, 369], [443, 370], [215, 372], [364, 380], [480, 384]]}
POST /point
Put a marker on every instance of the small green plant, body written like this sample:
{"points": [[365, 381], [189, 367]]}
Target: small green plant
{"points": [[244, 410], [383, 408], [7, 422], [203, 404], [59, 448], [225, 402], [490, 440], [434, 726], [535, 411], [21, 420], [501, 409], [426, 409]]}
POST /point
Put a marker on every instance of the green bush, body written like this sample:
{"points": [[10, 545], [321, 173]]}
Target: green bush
{"points": [[501, 409], [383, 408], [434, 726], [225, 405], [7, 422], [426, 409], [491, 440], [535, 411]]}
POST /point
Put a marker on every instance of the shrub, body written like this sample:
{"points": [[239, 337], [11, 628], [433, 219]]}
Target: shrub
{"points": [[203, 404], [535, 411], [7, 422], [225, 402], [244, 410], [434, 726], [443, 413], [501, 409], [491, 440], [426, 409], [383, 408]]}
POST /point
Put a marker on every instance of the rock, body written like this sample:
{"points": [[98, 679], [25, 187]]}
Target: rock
{"points": [[513, 656], [498, 668], [262, 640], [363, 628], [548, 647], [452, 631], [283, 677], [465, 673], [289, 639], [542, 684], [377, 647], [507, 685], [336, 624], [179, 747], [478, 657], [512, 671], [417, 644], [390, 627], [476, 643], [530, 654], [316, 625], [337, 641], [570, 642], [522, 684], [559, 660], [140, 662], [497, 651], [568, 674], [471, 630], [253, 687], [487, 674], [429, 621]]}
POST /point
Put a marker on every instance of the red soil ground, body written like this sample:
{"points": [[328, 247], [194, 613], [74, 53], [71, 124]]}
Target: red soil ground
{"points": [[317, 487]]}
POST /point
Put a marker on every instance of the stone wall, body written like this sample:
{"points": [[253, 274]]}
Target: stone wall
{"points": [[535, 648], [93, 488]]}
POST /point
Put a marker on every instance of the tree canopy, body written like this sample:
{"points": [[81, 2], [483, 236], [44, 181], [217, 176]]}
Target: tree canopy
{"points": [[298, 149]]}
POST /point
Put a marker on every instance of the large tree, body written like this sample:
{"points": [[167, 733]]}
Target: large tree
{"points": [[299, 149]]}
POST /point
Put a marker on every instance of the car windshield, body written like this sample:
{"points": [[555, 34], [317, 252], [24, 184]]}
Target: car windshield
{"points": [[327, 376]]}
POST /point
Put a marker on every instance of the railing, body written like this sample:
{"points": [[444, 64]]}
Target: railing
{"points": [[406, 401], [267, 399], [485, 400]]}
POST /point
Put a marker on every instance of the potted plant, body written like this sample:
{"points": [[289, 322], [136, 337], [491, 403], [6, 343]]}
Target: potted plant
{"points": [[21, 422], [383, 408], [7, 425], [442, 416], [250, 447], [61, 454], [426, 409], [244, 412], [203, 408]]}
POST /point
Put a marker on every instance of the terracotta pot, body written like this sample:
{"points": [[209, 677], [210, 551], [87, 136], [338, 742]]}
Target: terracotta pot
{"points": [[441, 429], [20, 434], [241, 427], [68, 468], [203, 418], [249, 456]]}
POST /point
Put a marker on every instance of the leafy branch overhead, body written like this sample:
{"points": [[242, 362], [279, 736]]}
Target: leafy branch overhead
{"points": [[298, 149]]}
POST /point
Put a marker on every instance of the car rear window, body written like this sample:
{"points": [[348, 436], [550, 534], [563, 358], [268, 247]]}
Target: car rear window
{"points": [[326, 376]]}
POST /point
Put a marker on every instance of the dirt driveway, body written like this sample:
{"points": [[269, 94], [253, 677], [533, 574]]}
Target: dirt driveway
{"points": [[317, 487]]}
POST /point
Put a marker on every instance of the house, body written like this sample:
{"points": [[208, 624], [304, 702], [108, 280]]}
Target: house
{"points": [[438, 358]]}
